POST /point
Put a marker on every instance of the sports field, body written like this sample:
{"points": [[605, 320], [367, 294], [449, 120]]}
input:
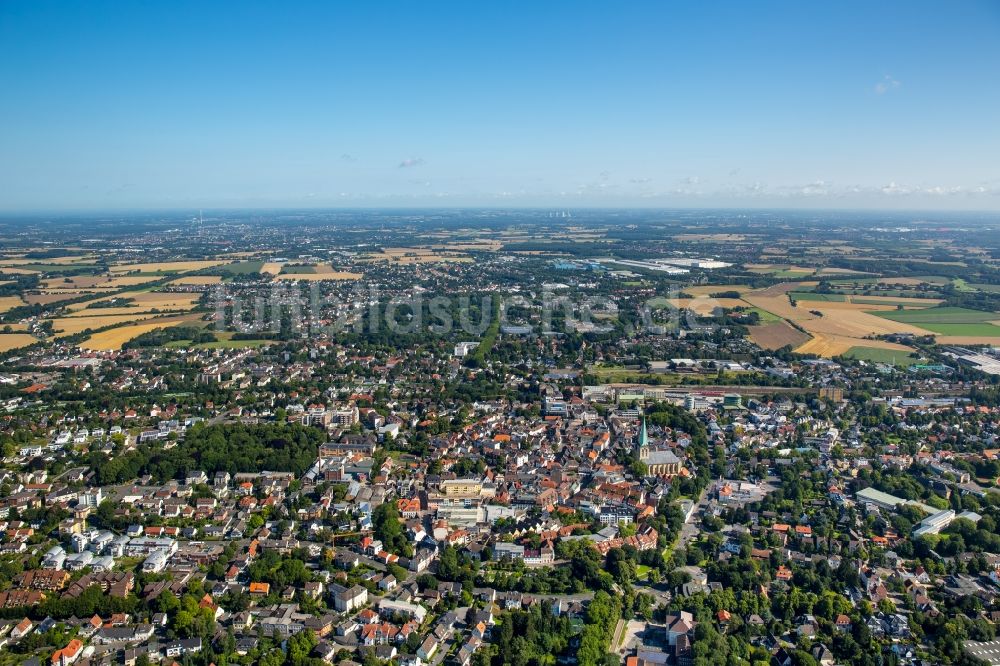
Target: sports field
{"points": [[887, 356]]}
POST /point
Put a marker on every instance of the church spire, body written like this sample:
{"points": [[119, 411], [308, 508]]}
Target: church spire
{"points": [[643, 437]]}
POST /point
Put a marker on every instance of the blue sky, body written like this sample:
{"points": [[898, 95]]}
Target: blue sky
{"points": [[110, 105]]}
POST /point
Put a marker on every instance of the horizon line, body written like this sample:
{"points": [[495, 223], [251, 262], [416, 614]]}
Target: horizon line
{"points": [[420, 207]]}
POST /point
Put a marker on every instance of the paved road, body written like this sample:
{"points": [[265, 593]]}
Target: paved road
{"points": [[689, 531], [692, 528]]}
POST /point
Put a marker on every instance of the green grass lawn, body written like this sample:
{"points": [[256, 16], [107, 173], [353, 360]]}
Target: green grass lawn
{"points": [[861, 300], [939, 315], [225, 341], [887, 356], [618, 374], [59, 268], [962, 285], [847, 282], [978, 330], [234, 344], [897, 293], [765, 316], [947, 320], [813, 296]]}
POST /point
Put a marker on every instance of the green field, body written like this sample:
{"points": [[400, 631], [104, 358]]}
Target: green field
{"points": [[813, 296], [861, 300], [933, 279], [225, 341], [218, 344], [847, 282], [60, 268], [940, 315], [619, 374], [978, 330], [947, 320], [898, 293], [887, 356], [962, 285], [765, 316]]}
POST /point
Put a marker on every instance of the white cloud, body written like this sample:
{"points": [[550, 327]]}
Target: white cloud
{"points": [[411, 162], [886, 84]]}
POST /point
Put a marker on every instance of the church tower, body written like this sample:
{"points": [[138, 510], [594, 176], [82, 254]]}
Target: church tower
{"points": [[643, 441]]}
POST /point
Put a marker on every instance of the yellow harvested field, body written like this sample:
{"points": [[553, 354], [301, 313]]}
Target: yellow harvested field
{"points": [[706, 289], [197, 280], [165, 266], [114, 338], [159, 300], [60, 261], [829, 346], [75, 282], [96, 282], [845, 319], [967, 340], [45, 299], [10, 341], [124, 310], [838, 326], [127, 281], [8, 302], [272, 267], [163, 299], [16, 271], [74, 325], [706, 305]]}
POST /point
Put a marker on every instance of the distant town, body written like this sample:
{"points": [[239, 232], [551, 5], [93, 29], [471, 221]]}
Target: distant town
{"points": [[489, 437]]}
